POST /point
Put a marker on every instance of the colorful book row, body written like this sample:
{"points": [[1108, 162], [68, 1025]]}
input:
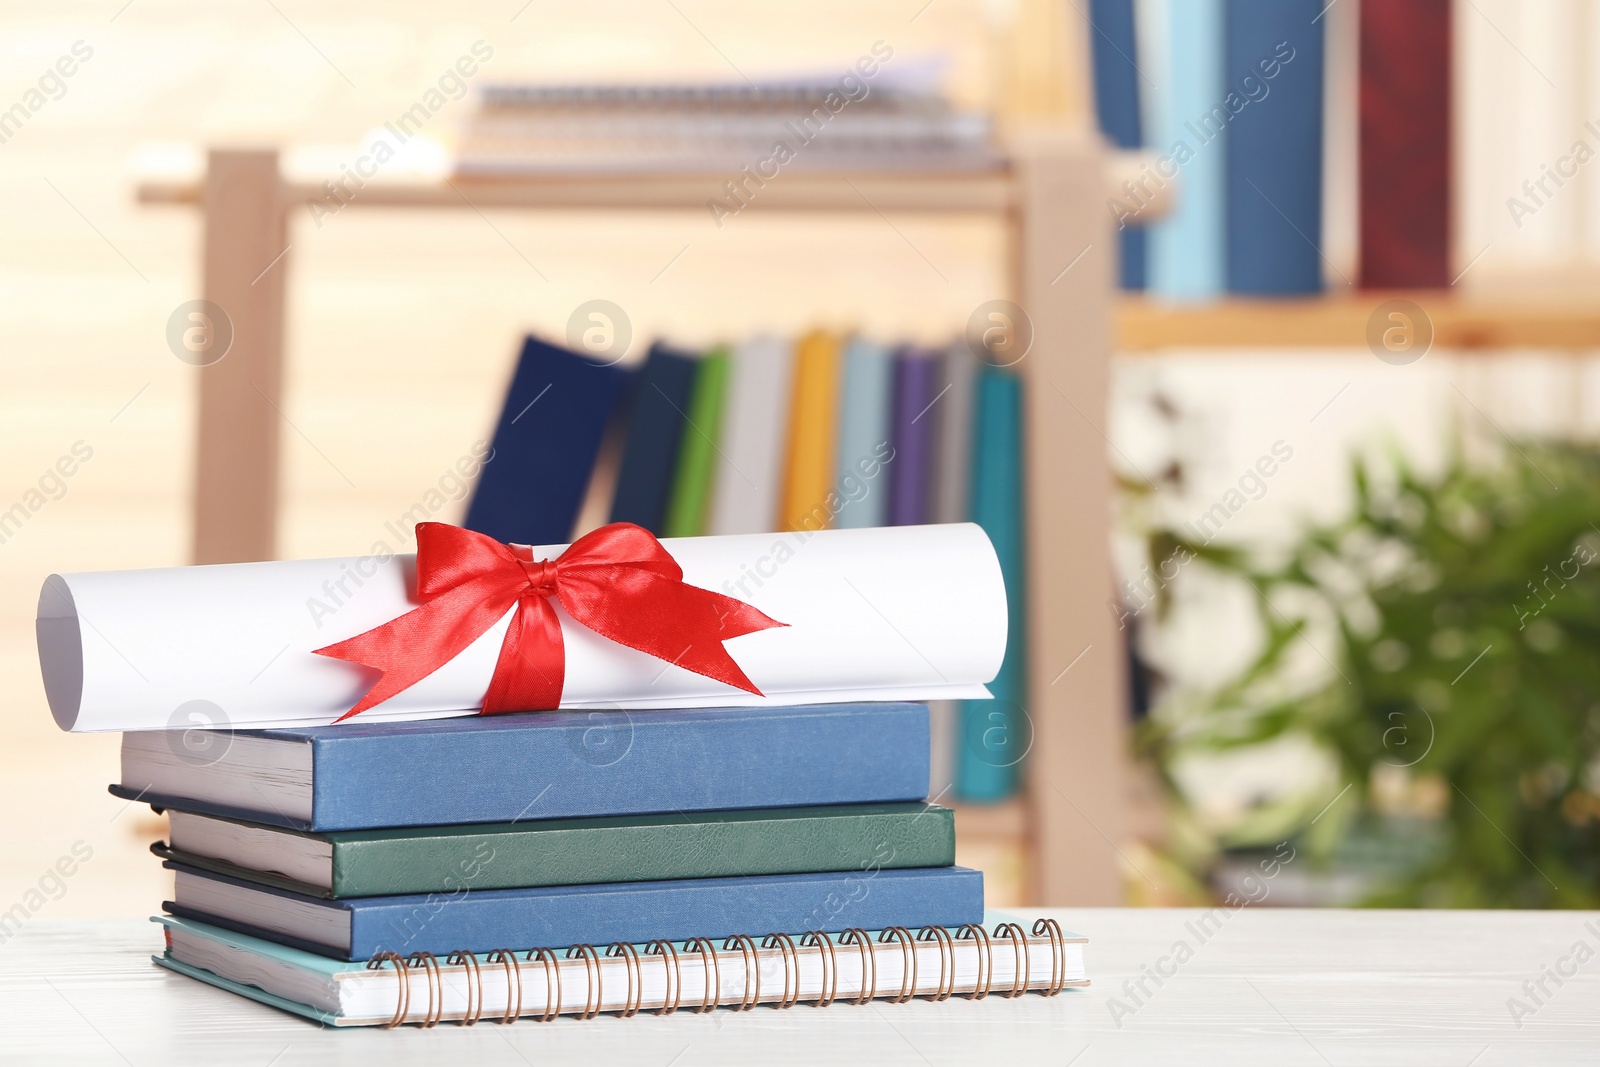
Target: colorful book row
{"points": [[775, 435]]}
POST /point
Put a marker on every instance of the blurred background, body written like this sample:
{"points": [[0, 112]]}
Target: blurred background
{"points": [[1340, 277]]}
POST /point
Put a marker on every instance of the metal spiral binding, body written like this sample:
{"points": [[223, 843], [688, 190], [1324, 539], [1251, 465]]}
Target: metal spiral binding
{"points": [[750, 955], [401, 972], [980, 988], [1058, 954], [830, 965], [1019, 945], [908, 961], [552, 982], [947, 960], [430, 964], [791, 968], [468, 962], [669, 965], [713, 973], [869, 962], [752, 971], [508, 959], [591, 967], [635, 995]]}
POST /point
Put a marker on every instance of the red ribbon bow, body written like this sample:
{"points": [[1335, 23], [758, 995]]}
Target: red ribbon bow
{"points": [[618, 581]]}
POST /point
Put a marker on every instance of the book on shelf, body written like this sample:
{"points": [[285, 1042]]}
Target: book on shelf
{"points": [[1189, 123], [995, 734], [697, 451], [749, 471], [1274, 146], [659, 976], [1115, 55], [864, 406], [655, 431], [1405, 62], [550, 852], [540, 460], [914, 434], [481, 920], [569, 764], [813, 431]]}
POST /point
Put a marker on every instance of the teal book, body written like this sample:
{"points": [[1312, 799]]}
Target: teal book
{"points": [[995, 733], [775, 968], [864, 406], [1188, 125]]}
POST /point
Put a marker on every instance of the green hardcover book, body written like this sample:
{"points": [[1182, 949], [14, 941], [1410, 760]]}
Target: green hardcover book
{"points": [[691, 484], [553, 852]]}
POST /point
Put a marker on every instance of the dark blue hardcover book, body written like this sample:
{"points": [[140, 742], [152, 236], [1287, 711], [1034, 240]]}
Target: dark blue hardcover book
{"points": [[657, 418], [545, 445], [1274, 59], [1113, 53], [541, 765], [633, 912]]}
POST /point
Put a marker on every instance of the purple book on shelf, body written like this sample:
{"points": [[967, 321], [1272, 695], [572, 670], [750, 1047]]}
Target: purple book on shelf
{"points": [[913, 433]]}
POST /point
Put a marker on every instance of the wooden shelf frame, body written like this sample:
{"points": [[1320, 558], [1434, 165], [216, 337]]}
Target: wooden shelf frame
{"points": [[1462, 322], [1051, 201]]}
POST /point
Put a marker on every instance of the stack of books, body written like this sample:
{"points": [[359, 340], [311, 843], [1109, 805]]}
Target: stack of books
{"points": [[575, 863]]}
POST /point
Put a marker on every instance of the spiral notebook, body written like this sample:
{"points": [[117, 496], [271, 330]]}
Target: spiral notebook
{"points": [[661, 977]]}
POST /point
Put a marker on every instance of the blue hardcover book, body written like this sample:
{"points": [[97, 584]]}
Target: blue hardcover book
{"points": [[994, 735], [545, 445], [1274, 142], [864, 406], [656, 420], [539, 765], [1189, 129], [634, 912], [1114, 55]]}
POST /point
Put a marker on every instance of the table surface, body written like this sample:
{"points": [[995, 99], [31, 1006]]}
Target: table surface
{"points": [[1280, 986]]}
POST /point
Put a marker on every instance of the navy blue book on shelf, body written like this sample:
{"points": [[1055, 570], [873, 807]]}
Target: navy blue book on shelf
{"points": [[1113, 53], [1273, 59], [542, 765], [544, 446], [656, 424], [632, 912]]}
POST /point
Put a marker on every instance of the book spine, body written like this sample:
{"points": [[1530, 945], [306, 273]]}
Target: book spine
{"points": [[1405, 171], [914, 435], [1273, 69], [685, 847], [1189, 135], [582, 764], [532, 477], [1114, 55], [676, 911], [744, 496], [995, 733], [654, 435], [864, 410], [808, 502], [691, 486]]}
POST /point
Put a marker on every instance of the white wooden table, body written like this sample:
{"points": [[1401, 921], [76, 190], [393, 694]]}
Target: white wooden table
{"points": [[1271, 987]]}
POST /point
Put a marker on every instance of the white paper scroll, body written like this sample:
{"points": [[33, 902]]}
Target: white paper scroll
{"points": [[900, 613]]}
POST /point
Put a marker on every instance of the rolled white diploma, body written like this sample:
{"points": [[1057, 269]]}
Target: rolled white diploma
{"points": [[896, 613]]}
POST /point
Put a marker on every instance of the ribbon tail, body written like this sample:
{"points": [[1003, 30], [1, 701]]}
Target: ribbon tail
{"points": [[531, 669], [682, 624], [409, 648]]}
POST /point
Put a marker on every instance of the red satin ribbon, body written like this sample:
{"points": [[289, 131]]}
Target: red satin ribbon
{"points": [[618, 581]]}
